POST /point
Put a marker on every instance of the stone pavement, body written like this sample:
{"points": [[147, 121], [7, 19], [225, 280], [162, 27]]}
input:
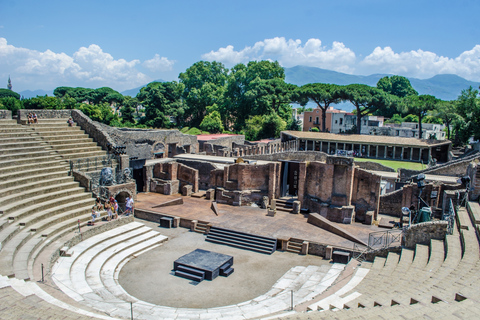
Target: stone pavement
{"points": [[253, 220]]}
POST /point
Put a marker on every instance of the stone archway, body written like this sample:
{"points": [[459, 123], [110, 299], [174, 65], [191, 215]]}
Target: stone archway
{"points": [[158, 150], [121, 197]]}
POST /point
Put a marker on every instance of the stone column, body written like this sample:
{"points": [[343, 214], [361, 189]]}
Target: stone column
{"points": [[368, 150], [328, 147], [411, 153], [420, 151], [385, 152], [403, 150], [376, 152]]}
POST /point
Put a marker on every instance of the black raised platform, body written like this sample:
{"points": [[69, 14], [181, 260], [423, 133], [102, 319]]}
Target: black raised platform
{"points": [[202, 264], [242, 240]]}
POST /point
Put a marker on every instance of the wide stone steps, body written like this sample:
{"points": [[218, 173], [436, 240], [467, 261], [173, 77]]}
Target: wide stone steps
{"points": [[90, 275], [54, 128], [66, 197], [28, 172], [68, 141], [21, 150], [61, 133], [30, 166], [91, 154], [33, 178], [77, 145], [44, 218], [28, 194], [33, 186], [72, 151], [242, 240], [22, 143], [51, 156], [14, 157]]}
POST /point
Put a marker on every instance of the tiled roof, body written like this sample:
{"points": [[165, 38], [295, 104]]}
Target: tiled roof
{"points": [[366, 139]]}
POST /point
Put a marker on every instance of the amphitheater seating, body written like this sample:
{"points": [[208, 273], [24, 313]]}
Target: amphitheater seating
{"points": [[41, 205]]}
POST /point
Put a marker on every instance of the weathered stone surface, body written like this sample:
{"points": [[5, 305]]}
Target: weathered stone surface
{"points": [[319, 221], [422, 233], [187, 190]]}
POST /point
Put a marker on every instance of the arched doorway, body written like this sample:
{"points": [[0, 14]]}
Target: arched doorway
{"points": [[121, 197]]}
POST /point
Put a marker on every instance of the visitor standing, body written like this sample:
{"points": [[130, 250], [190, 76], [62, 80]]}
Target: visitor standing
{"points": [[115, 207], [108, 207], [129, 206]]}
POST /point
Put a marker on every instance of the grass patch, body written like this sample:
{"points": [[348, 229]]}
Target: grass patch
{"points": [[395, 164]]}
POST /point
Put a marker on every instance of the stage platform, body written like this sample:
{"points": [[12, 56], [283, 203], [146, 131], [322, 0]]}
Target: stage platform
{"points": [[202, 264], [252, 220]]}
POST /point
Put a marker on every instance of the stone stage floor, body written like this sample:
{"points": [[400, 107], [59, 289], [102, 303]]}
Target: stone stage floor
{"points": [[253, 220]]}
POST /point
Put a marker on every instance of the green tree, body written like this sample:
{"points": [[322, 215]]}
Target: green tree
{"points": [[6, 93], [468, 108], [11, 103], [322, 94], [43, 102], [254, 89], [396, 85], [128, 109], [419, 106], [366, 100], [253, 128], [204, 85], [212, 122], [161, 100]]}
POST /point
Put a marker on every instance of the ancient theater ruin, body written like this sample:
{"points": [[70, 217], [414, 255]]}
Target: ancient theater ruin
{"points": [[311, 234]]}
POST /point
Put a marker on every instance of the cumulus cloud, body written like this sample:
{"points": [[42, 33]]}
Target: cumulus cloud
{"points": [[338, 57], [88, 66], [290, 53], [423, 64], [159, 64]]}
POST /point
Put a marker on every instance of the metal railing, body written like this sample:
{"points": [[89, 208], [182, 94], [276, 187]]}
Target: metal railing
{"points": [[449, 216], [385, 239], [93, 163]]}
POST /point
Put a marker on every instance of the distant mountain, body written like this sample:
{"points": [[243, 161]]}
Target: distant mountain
{"points": [[133, 92], [442, 86], [32, 94]]}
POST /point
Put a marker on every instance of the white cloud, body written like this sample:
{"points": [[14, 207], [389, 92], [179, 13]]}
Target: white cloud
{"points": [[290, 53], [88, 66], [423, 64], [338, 57], [159, 64]]}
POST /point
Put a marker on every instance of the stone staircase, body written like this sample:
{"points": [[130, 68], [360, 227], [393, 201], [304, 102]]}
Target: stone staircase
{"points": [[72, 143], [434, 281], [38, 199], [201, 227], [285, 205], [242, 240]]}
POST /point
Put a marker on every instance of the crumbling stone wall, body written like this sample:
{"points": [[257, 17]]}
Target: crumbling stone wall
{"points": [[45, 113], [365, 193], [188, 176], [5, 114], [391, 203], [422, 233], [204, 169], [141, 143], [223, 142]]}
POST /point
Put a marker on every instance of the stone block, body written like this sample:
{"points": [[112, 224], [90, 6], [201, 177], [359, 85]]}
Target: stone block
{"points": [[187, 190], [193, 225], [273, 205], [271, 213], [369, 217], [210, 194], [264, 204], [328, 252], [304, 250], [296, 207], [176, 222]]}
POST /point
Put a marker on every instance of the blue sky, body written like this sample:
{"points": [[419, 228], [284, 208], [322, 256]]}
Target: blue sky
{"points": [[125, 44]]}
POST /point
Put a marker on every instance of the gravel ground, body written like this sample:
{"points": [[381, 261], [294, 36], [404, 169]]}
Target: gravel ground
{"points": [[149, 277]]}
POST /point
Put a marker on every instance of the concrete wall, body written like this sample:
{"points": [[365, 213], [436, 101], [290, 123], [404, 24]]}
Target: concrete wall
{"points": [[422, 233]]}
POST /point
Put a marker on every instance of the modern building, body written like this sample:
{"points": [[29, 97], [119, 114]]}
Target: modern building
{"points": [[370, 146]]}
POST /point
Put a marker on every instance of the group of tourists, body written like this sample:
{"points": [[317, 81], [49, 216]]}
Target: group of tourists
{"points": [[111, 206], [32, 118]]}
